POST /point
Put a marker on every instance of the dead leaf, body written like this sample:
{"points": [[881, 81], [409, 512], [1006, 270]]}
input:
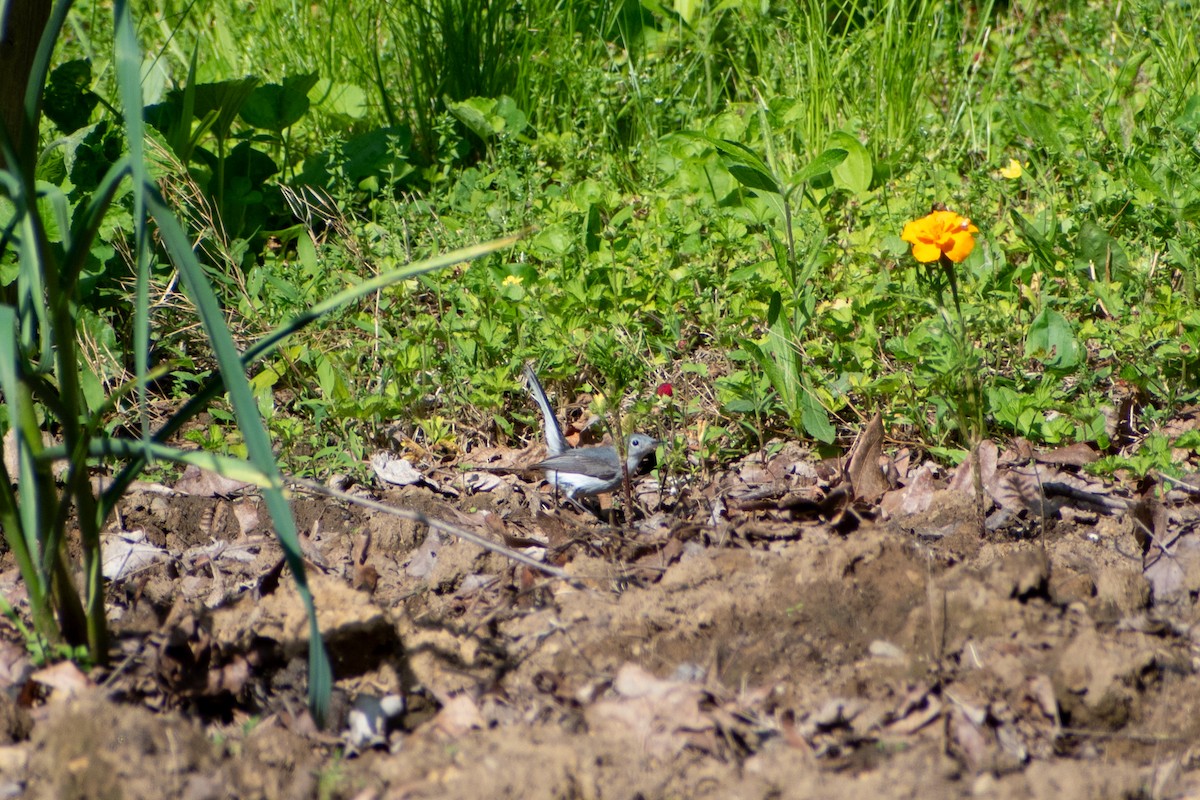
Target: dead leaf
{"points": [[15, 665], [663, 715], [971, 740], [459, 715], [963, 479], [1176, 572], [1073, 455], [249, 516], [866, 476], [914, 498], [396, 471], [203, 483], [126, 553], [482, 482], [424, 558], [64, 679]]}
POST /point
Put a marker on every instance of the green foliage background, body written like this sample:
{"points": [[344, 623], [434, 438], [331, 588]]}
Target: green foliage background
{"points": [[376, 133]]}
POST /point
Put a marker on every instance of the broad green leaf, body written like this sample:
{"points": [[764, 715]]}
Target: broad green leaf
{"points": [[513, 118], [1052, 341], [854, 172], [554, 241], [344, 99], [225, 99], [306, 252], [815, 418], [275, 106], [742, 162], [820, 165], [477, 114], [69, 100], [1099, 254]]}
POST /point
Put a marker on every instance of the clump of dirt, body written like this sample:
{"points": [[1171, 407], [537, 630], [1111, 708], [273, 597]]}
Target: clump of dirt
{"points": [[768, 635]]}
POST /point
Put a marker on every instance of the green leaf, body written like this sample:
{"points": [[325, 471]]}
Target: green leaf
{"points": [[854, 172], [275, 106], [343, 99], [306, 252], [1041, 249], [69, 100], [488, 117], [514, 118], [742, 162], [1097, 253], [782, 348], [554, 241], [779, 360], [815, 418], [1189, 118], [1037, 122], [223, 99], [820, 165], [1052, 341]]}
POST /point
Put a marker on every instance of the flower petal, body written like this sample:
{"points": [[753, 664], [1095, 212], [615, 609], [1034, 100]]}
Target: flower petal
{"points": [[961, 246], [926, 253], [1013, 171], [913, 232]]}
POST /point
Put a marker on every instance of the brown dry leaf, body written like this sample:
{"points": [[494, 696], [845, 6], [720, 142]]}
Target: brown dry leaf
{"points": [[963, 479], [424, 558], [754, 478], [396, 471], [1041, 689], [477, 482], [791, 734], [126, 553], [866, 476], [1074, 455], [914, 498], [64, 679], [365, 577], [505, 458], [203, 483], [1184, 421], [664, 715], [458, 716], [1018, 490], [918, 709], [15, 665], [249, 516], [231, 677], [973, 741], [838, 509], [1176, 572]]}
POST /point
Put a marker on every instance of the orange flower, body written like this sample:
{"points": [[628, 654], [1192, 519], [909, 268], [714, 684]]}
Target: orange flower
{"points": [[940, 233]]}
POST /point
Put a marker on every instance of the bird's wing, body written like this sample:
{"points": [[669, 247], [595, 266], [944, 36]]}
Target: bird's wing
{"points": [[579, 462]]}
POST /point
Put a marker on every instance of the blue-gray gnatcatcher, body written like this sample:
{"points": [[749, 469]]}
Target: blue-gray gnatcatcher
{"points": [[584, 471]]}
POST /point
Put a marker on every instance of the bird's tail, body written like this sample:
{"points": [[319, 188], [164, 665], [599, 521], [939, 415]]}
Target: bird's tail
{"points": [[556, 443]]}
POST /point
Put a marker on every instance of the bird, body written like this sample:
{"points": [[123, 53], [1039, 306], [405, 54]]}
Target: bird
{"points": [[584, 471]]}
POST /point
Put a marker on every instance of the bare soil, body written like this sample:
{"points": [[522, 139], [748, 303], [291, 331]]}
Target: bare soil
{"points": [[778, 632]]}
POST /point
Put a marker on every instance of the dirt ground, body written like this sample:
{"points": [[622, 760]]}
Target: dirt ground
{"points": [[787, 629]]}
